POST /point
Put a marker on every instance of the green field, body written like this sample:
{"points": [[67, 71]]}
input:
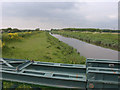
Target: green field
{"points": [[107, 40], [38, 46]]}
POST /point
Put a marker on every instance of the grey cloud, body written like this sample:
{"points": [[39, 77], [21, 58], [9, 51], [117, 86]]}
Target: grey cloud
{"points": [[29, 9], [62, 14]]}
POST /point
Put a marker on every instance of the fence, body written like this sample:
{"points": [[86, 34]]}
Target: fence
{"points": [[95, 74]]}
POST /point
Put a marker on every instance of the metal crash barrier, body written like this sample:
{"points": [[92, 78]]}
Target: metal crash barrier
{"points": [[102, 73], [95, 74]]}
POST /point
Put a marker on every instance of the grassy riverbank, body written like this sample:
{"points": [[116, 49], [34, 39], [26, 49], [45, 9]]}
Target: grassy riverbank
{"points": [[107, 40], [41, 46], [38, 46]]}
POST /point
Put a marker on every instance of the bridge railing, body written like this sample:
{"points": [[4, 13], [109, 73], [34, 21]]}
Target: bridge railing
{"points": [[103, 73], [95, 74]]}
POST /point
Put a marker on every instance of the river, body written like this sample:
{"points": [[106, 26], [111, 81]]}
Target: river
{"points": [[89, 50]]}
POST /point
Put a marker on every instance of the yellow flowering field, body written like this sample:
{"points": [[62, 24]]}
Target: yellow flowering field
{"points": [[2, 44]]}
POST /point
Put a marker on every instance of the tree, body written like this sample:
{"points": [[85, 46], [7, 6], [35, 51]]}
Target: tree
{"points": [[37, 29], [15, 30]]}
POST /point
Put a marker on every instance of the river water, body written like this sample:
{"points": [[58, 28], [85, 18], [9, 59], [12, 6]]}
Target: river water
{"points": [[89, 50]]}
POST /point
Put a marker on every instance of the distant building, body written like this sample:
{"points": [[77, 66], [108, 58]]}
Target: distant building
{"points": [[9, 31], [1, 31]]}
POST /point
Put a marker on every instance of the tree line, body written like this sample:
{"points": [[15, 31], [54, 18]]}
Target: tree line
{"points": [[13, 30], [88, 29]]}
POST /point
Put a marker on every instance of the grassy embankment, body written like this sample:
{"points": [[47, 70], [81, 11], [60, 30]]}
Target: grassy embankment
{"points": [[39, 46], [42, 47], [107, 40]]}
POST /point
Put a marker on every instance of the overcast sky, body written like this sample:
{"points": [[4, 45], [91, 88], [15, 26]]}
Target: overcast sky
{"points": [[47, 15]]}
